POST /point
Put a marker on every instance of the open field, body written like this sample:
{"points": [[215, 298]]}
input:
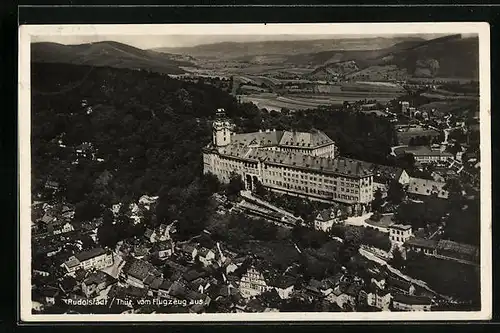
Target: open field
{"points": [[453, 107], [307, 101], [438, 95]]}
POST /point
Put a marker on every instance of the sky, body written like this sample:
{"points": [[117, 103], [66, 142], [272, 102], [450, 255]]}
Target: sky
{"points": [[155, 41]]}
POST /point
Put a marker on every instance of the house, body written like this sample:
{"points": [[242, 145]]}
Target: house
{"points": [[327, 218], [378, 297], [48, 294], [96, 282], [154, 286], [160, 234], [398, 233], [60, 227], [353, 292], [425, 154], [427, 187], [52, 185], [164, 288], [127, 295], [284, 285], [141, 250], [163, 249], [139, 273], [192, 275], [206, 256], [404, 302], [400, 286], [383, 175], [378, 280], [96, 258], [200, 284], [416, 244], [85, 150], [460, 251], [178, 290], [189, 251], [147, 201], [252, 283]]}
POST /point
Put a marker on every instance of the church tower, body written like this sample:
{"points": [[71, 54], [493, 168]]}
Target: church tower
{"points": [[222, 129]]}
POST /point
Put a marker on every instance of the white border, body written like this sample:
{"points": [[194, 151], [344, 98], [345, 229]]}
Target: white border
{"points": [[25, 33]]}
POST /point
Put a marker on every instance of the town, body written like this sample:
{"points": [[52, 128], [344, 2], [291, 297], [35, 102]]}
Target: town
{"points": [[192, 199]]}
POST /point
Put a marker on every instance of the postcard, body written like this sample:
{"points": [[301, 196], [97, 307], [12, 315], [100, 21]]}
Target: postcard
{"points": [[255, 172]]}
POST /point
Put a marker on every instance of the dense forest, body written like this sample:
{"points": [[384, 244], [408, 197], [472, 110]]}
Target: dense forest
{"points": [[149, 128]]}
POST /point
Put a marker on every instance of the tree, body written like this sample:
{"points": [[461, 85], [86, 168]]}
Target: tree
{"points": [[377, 200], [406, 161], [397, 259], [396, 192], [260, 190], [454, 189], [235, 185], [351, 244], [107, 235], [211, 183]]}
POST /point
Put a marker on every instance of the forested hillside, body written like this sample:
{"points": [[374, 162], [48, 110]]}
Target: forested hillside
{"points": [[148, 130]]}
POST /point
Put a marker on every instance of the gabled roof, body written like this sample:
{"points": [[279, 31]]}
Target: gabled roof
{"points": [[400, 227], [384, 173], [165, 285], [397, 283], [283, 281], [148, 233], [421, 242], [92, 253], [427, 187], [412, 300], [140, 269], [338, 166], [448, 245], [99, 277], [204, 251]]}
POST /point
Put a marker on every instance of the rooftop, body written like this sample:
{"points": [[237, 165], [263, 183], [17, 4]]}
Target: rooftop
{"points": [[400, 227], [140, 269], [421, 151], [98, 277], [412, 300], [421, 242], [268, 138], [427, 187], [448, 245], [338, 166], [92, 253]]}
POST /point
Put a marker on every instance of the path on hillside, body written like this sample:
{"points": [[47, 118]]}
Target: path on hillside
{"points": [[248, 195], [393, 153]]}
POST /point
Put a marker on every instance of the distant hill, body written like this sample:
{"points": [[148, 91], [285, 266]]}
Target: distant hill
{"points": [[235, 50], [108, 54], [450, 56]]}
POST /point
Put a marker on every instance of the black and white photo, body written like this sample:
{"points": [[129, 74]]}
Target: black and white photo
{"points": [[227, 172]]}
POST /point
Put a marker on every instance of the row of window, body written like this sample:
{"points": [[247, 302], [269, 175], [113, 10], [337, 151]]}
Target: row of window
{"points": [[399, 232], [398, 239]]}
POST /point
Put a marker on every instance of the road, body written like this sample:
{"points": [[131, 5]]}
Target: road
{"points": [[396, 271], [358, 220]]}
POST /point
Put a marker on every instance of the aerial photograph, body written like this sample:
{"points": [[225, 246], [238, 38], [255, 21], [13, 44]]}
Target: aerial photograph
{"points": [[200, 174]]}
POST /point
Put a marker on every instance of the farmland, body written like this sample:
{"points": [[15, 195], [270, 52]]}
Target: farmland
{"points": [[272, 101]]}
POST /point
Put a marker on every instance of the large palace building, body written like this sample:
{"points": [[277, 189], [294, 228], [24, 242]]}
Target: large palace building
{"points": [[297, 163]]}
